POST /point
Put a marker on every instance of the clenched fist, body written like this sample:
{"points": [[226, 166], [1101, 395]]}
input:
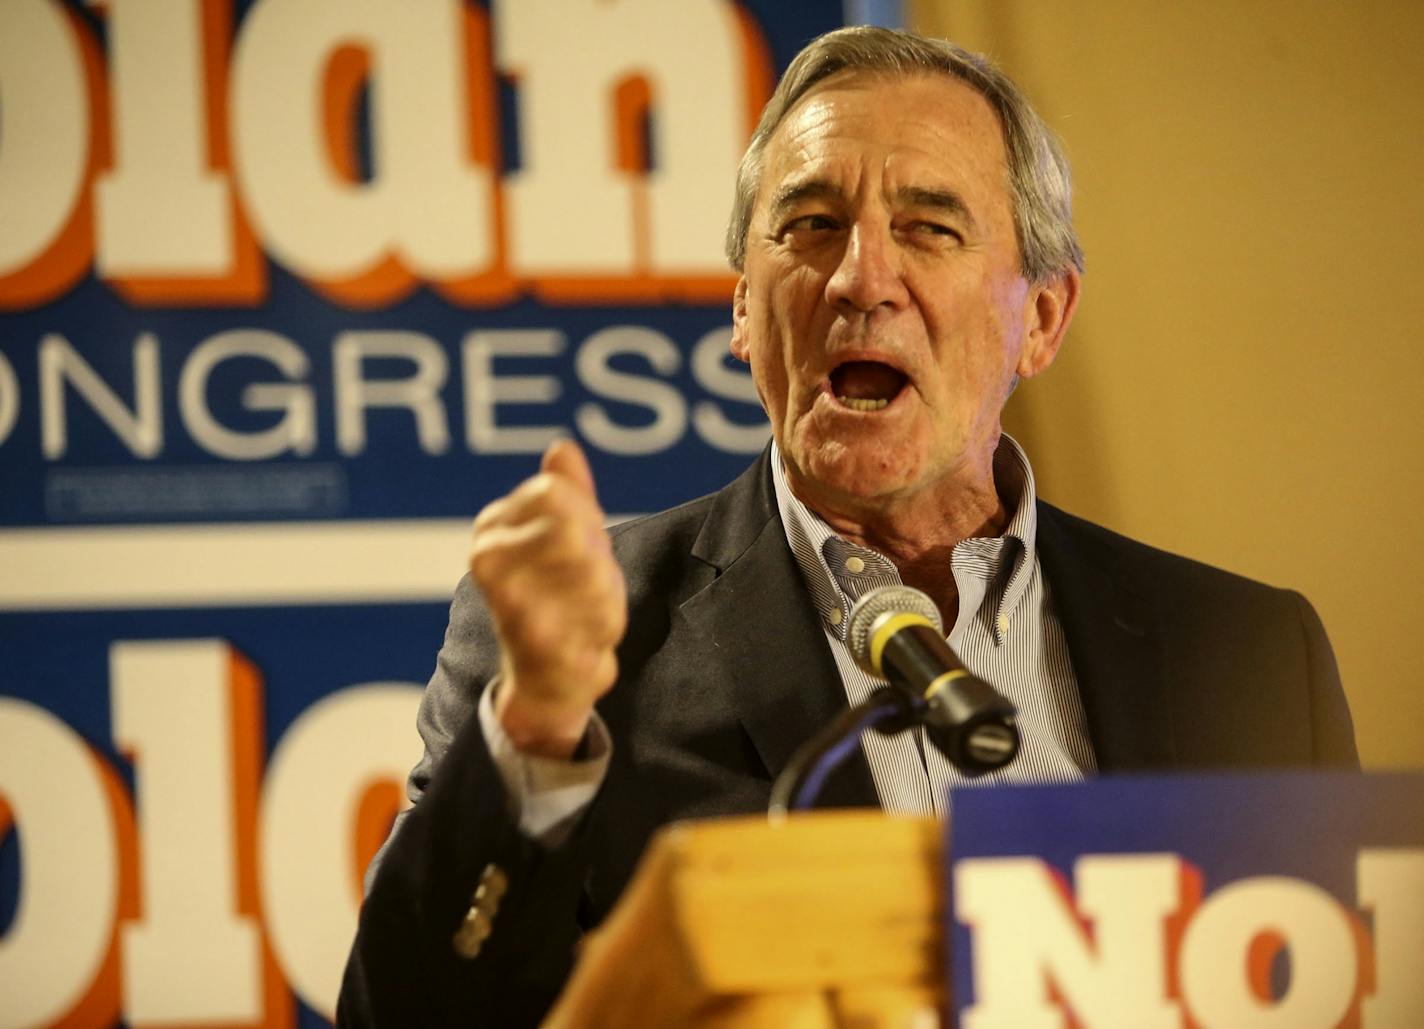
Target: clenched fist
{"points": [[545, 564]]}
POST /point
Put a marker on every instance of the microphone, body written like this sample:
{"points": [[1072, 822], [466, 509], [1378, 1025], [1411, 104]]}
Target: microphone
{"points": [[895, 634]]}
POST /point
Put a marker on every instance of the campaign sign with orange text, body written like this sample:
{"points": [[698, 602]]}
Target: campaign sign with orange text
{"points": [[289, 290], [1270, 901]]}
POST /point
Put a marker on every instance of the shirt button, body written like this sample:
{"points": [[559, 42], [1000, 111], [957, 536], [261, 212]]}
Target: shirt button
{"points": [[855, 565], [835, 616], [1003, 623]]}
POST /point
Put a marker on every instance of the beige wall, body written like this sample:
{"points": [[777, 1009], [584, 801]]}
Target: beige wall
{"points": [[1243, 380]]}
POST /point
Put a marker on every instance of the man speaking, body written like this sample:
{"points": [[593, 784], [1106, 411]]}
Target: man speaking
{"points": [[902, 227]]}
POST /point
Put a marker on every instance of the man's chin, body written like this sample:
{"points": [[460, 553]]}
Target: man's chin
{"points": [[857, 474]]}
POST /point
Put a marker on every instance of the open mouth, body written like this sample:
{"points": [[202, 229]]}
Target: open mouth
{"points": [[866, 385]]}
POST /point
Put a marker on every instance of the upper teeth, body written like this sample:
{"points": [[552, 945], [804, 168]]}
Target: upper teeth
{"points": [[862, 404]]}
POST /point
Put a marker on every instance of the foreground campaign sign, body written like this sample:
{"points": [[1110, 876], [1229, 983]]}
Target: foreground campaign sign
{"points": [[288, 290], [1250, 902]]}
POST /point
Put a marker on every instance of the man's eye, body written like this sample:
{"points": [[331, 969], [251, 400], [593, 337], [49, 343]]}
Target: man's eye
{"points": [[808, 223], [934, 229]]}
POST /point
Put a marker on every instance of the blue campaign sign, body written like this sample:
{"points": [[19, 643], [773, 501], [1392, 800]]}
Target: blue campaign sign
{"points": [[305, 261], [288, 291], [1233, 900]]}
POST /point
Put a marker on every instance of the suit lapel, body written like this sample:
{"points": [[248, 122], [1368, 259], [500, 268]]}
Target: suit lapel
{"points": [[758, 619], [1115, 645]]}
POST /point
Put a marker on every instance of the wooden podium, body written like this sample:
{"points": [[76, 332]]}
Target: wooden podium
{"points": [[826, 919]]}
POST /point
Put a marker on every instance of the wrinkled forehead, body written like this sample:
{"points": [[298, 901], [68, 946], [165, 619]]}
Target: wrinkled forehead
{"points": [[931, 125]]}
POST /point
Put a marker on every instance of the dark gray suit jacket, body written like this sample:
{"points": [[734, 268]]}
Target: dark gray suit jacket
{"points": [[725, 671]]}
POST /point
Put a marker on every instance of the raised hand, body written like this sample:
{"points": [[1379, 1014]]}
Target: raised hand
{"points": [[544, 562]]}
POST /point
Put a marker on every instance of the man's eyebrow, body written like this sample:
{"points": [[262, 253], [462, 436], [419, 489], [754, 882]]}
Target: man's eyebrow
{"points": [[945, 200], [789, 196]]}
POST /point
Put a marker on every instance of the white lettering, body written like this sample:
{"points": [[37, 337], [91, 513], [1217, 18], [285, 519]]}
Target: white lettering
{"points": [[9, 398], [311, 885], [419, 393], [192, 956], [484, 391], [710, 368], [573, 210], [427, 205], [595, 371], [44, 149], [296, 432], [1220, 983], [69, 875], [1391, 885], [162, 211], [1026, 935], [141, 429]]}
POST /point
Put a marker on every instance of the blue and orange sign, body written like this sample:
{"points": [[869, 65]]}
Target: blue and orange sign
{"points": [[1217, 900], [289, 289]]}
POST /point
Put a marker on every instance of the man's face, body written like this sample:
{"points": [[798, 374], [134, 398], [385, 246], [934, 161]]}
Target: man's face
{"points": [[882, 309]]}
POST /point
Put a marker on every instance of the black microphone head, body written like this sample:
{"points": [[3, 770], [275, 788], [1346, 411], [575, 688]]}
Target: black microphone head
{"points": [[875, 605]]}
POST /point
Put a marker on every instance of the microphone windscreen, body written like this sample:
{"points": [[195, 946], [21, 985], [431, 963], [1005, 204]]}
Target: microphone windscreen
{"points": [[885, 600]]}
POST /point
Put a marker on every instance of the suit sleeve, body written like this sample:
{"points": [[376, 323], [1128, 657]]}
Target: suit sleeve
{"points": [[1332, 729], [463, 668], [467, 661], [404, 967]]}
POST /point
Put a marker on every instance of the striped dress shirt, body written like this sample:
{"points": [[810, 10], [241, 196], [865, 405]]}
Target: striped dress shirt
{"points": [[1006, 633]]}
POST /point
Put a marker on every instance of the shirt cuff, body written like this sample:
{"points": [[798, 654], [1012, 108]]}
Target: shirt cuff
{"points": [[546, 795]]}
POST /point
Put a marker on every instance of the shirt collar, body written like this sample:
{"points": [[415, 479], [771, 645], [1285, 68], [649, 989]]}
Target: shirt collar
{"points": [[838, 572]]}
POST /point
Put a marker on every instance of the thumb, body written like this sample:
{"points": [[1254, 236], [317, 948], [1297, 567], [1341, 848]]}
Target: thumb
{"points": [[565, 458]]}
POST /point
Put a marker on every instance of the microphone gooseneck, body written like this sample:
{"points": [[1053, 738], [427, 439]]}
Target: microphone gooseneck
{"points": [[895, 634]]}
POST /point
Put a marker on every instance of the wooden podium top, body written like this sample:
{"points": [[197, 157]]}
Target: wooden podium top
{"points": [[823, 919]]}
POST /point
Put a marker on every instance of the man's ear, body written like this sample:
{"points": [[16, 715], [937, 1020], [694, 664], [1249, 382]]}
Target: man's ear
{"points": [[1050, 308], [740, 345]]}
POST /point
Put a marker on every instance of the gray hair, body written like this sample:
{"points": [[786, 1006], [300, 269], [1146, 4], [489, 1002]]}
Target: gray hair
{"points": [[1040, 188]]}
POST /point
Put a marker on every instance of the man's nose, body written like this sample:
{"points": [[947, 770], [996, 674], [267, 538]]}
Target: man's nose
{"points": [[869, 274]]}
